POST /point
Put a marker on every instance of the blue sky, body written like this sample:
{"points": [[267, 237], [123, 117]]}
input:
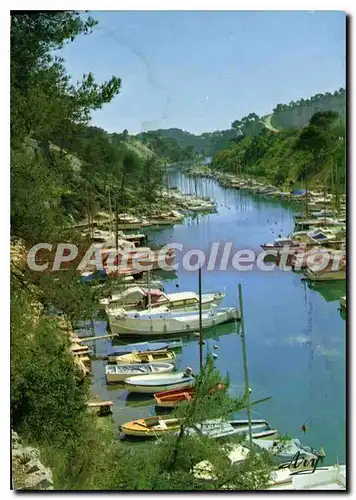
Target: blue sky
{"points": [[200, 70]]}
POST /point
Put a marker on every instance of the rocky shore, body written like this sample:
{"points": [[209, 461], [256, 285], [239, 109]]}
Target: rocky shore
{"points": [[28, 472]]}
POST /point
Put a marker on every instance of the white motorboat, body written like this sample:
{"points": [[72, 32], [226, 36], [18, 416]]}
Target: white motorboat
{"points": [[158, 382], [162, 321]]}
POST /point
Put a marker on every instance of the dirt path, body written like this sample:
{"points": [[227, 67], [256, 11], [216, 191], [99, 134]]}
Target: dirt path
{"points": [[268, 123]]}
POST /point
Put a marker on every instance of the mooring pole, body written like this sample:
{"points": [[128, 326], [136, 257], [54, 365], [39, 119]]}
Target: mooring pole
{"points": [[200, 325], [244, 355], [117, 236]]}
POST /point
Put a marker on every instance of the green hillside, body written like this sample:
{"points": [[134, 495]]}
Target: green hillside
{"points": [[316, 153]]}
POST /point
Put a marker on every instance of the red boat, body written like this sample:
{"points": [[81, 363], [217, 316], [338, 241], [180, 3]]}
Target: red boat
{"points": [[170, 399]]}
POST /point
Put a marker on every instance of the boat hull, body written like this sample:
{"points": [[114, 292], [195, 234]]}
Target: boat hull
{"points": [[156, 386], [145, 427], [170, 399], [120, 376], [166, 326], [144, 358]]}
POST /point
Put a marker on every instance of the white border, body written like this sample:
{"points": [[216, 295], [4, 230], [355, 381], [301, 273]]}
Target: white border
{"points": [[347, 6]]}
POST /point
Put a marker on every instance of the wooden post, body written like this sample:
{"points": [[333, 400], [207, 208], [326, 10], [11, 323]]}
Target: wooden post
{"points": [[110, 211], [117, 234], [167, 182], [324, 195], [244, 355], [306, 198], [200, 325]]}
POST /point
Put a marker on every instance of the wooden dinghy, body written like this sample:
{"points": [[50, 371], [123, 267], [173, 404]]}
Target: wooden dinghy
{"points": [[150, 427], [118, 373], [151, 357], [170, 399]]}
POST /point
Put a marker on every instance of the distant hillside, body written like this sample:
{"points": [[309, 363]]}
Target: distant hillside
{"points": [[207, 144], [297, 114], [285, 116]]}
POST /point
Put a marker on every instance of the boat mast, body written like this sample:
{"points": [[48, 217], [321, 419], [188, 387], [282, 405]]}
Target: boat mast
{"points": [[200, 326], [244, 354]]}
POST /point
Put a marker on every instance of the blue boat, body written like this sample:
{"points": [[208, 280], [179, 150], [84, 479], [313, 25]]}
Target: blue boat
{"points": [[298, 192], [146, 346]]}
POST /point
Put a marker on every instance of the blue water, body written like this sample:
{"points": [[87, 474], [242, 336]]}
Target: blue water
{"points": [[295, 333]]}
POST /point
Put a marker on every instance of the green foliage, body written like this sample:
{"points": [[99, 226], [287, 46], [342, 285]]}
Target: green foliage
{"points": [[47, 400], [43, 100]]}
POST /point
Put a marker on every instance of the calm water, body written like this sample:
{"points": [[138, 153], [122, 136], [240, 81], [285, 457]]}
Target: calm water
{"points": [[295, 333]]}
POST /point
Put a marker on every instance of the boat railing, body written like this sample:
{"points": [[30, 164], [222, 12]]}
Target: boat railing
{"points": [[220, 290]]}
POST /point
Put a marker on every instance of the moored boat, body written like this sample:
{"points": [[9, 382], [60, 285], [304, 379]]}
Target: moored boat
{"points": [[187, 300], [284, 452], [151, 357], [316, 257], [135, 297], [141, 346], [325, 275], [324, 478], [170, 399], [118, 373], [162, 321], [152, 383], [280, 243], [160, 425], [164, 344], [125, 221], [170, 218]]}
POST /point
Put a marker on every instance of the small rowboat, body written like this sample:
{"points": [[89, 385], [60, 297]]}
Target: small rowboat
{"points": [[150, 427], [159, 425], [153, 383], [118, 373], [151, 357], [170, 399]]}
